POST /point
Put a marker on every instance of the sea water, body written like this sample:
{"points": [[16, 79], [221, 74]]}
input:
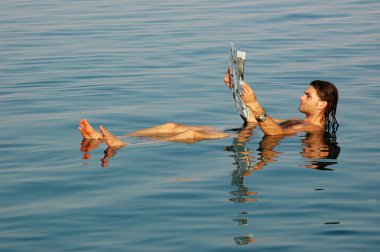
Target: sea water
{"points": [[134, 64]]}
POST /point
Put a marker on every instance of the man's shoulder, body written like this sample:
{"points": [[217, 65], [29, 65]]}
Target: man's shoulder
{"points": [[291, 123], [296, 125]]}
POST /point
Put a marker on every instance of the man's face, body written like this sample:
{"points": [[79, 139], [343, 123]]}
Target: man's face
{"points": [[309, 101]]}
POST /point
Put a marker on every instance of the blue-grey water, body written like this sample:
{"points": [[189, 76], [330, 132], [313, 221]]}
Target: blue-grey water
{"points": [[137, 63]]}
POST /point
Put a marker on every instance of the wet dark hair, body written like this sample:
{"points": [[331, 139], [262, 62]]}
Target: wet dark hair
{"points": [[327, 91]]}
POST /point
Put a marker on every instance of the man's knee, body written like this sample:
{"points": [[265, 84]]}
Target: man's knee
{"points": [[171, 125], [191, 133]]}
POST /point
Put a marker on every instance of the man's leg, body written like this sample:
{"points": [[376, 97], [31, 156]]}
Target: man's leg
{"points": [[191, 136], [166, 129], [166, 132]]}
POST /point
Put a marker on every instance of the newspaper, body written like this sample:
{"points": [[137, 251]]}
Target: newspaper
{"points": [[237, 61]]}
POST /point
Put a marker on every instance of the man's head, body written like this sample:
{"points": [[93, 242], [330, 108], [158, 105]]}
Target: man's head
{"points": [[321, 97]]}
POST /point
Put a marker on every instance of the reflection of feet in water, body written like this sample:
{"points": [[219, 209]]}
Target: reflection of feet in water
{"points": [[114, 144], [110, 139], [87, 131], [108, 153], [88, 145]]}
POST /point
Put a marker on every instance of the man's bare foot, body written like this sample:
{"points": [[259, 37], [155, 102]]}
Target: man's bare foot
{"points": [[110, 139], [87, 131]]}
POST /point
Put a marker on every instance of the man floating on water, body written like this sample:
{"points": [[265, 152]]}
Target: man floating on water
{"points": [[318, 103]]}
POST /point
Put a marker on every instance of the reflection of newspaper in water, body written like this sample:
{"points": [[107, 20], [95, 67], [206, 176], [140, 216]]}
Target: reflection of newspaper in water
{"points": [[237, 60]]}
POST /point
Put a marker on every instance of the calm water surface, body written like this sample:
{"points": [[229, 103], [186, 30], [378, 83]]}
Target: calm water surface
{"points": [[134, 64]]}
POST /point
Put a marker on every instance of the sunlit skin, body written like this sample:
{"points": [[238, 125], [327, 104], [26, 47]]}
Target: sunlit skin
{"points": [[110, 139], [166, 132], [172, 132], [310, 105], [87, 131]]}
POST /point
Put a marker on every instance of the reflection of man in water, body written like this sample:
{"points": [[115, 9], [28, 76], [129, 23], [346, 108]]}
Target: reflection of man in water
{"points": [[318, 103], [320, 150]]}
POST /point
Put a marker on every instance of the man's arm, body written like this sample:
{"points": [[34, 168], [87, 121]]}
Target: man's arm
{"points": [[252, 118], [273, 126], [269, 126]]}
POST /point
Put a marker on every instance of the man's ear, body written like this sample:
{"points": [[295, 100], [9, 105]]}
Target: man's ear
{"points": [[322, 105]]}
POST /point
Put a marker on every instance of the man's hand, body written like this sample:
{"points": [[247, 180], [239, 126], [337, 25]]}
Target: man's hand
{"points": [[227, 78], [248, 96]]}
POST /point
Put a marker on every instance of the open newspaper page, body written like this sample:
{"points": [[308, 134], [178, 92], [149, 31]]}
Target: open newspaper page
{"points": [[237, 61]]}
